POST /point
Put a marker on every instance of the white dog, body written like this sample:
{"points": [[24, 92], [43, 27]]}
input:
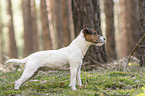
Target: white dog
{"points": [[56, 59]]}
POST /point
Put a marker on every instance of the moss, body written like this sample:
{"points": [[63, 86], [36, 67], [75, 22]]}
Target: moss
{"points": [[56, 84], [119, 73]]}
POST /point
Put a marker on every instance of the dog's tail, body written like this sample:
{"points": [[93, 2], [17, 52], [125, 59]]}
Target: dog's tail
{"points": [[17, 61]]}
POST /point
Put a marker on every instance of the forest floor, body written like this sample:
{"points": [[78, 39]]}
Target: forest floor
{"points": [[95, 83]]}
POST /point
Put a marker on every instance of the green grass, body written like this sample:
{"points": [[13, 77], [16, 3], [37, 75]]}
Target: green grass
{"points": [[94, 83]]}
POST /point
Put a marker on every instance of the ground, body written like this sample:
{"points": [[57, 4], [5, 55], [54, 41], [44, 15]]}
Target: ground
{"points": [[55, 83]]}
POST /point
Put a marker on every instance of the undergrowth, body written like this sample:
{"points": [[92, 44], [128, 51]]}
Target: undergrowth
{"points": [[56, 83]]}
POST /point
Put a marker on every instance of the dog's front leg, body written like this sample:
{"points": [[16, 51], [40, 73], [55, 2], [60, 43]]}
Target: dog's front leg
{"points": [[73, 72], [79, 83]]}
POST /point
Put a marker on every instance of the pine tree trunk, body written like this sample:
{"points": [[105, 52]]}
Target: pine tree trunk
{"points": [[86, 14], [28, 28], [46, 32], [57, 20], [34, 25], [12, 42], [65, 22], [142, 31], [1, 52], [129, 26], [110, 35], [71, 20]]}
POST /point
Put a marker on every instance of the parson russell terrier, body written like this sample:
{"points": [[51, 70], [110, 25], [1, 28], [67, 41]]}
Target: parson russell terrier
{"points": [[56, 59]]}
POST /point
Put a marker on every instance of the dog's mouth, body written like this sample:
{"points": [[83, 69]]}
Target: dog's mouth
{"points": [[100, 42]]}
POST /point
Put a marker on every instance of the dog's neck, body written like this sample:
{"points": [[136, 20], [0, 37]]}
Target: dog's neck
{"points": [[81, 43]]}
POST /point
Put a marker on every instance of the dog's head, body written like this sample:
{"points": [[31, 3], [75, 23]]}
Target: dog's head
{"points": [[92, 36]]}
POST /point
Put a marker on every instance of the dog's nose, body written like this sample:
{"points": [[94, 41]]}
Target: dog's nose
{"points": [[104, 38]]}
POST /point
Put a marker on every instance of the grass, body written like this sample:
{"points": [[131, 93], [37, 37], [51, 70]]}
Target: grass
{"points": [[56, 83]]}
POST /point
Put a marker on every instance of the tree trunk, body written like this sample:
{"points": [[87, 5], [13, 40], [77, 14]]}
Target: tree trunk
{"points": [[1, 52], [46, 32], [12, 42], [71, 20], [86, 14], [142, 31], [0, 43], [28, 31], [34, 25], [129, 29], [57, 20], [65, 22], [110, 35]]}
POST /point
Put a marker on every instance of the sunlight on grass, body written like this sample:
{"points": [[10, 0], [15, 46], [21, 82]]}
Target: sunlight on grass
{"points": [[142, 94]]}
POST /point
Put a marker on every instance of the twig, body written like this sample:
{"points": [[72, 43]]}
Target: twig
{"points": [[128, 59], [95, 62], [85, 63]]}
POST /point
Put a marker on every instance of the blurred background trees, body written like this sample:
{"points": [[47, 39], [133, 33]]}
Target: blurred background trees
{"points": [[12, 42], [110, 31], [27, 26], [128, 25], [142, 32], [87, 14], [45, 26]]}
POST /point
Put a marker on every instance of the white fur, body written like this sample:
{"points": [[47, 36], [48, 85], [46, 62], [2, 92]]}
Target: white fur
{"points": [[56, 59]]}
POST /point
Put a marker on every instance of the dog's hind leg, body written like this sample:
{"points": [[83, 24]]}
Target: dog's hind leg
{"points": [[27, 75]]}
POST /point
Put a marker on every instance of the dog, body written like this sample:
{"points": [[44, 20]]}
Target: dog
{"points": [[56, 59]]}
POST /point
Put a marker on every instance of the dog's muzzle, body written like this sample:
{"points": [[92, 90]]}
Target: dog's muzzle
{"points": [[100, 42]]}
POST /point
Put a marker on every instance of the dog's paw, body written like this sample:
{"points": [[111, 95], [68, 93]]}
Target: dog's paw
{"points": [[16, 88], [73, 88], [80, 85]]}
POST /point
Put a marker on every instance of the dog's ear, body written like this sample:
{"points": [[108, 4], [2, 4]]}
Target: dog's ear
{"points": [[87, 31]]}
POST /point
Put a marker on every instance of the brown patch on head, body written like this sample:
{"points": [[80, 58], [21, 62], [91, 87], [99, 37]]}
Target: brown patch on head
{"points": [[91, 35]]}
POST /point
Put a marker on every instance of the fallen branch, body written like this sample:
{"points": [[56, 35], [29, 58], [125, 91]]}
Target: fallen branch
{"points": [[95, 61], [128, 59]]}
